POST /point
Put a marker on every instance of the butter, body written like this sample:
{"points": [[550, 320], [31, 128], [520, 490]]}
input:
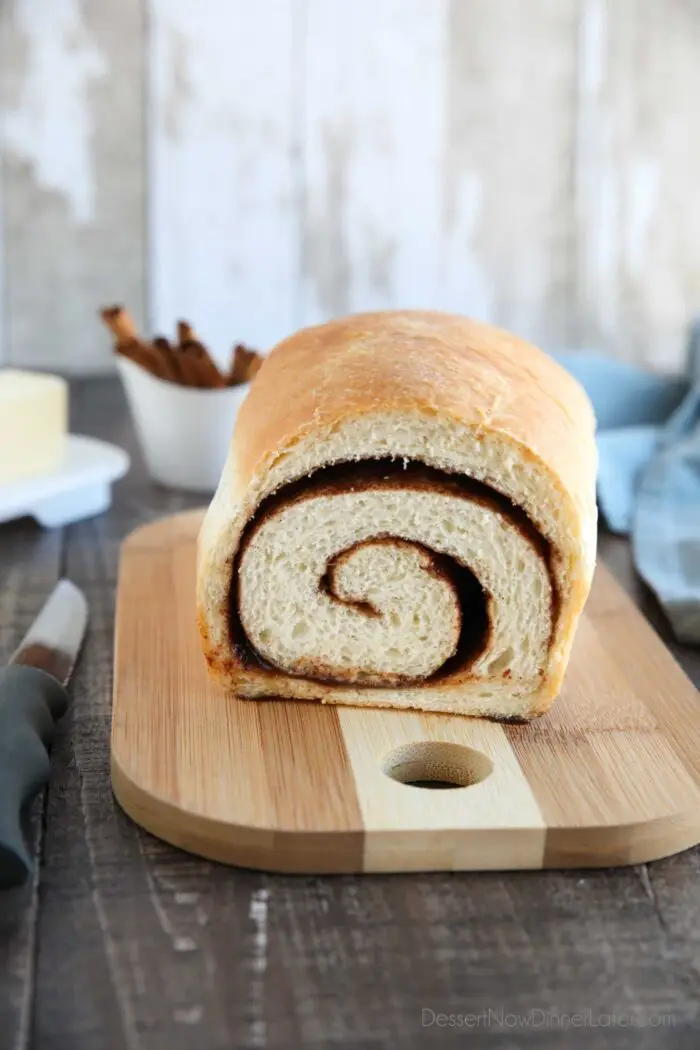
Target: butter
{"points": [[33, 423]]}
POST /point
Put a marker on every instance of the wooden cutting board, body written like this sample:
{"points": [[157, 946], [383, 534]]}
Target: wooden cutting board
{"points": [[610, 776]]}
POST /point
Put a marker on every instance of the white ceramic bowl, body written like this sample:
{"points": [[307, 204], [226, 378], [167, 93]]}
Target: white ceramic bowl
{"points": [[184, 432]]}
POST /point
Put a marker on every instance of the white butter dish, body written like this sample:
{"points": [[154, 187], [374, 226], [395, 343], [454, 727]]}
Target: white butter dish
{"points": [[80, 487]]}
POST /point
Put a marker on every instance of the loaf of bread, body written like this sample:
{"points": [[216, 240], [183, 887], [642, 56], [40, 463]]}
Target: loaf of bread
{"points": [[407, 518]]}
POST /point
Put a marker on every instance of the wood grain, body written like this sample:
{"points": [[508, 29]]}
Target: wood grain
{"points": [[373, 135], [638, 166], [29, 568], [263, 166], [275, 741], [409, 829], [506, 251], [139, 945], [223, 223], [438, 163], [73, 190], [613, 778]]}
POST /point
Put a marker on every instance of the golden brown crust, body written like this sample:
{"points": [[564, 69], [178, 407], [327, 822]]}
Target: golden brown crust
{"points": [[419, 364], [434, 362]]}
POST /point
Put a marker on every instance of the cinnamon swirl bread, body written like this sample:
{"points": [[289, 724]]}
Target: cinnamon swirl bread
{"points": [[407, 518]]}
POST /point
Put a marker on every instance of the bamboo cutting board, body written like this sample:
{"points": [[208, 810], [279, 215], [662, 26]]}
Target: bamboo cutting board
{"points": [[610, 776]]}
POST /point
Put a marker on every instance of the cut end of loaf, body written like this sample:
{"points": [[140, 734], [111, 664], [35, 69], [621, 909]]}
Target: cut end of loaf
{"points": [[423, 545]]}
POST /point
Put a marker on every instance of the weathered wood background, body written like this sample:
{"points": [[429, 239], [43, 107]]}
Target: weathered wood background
{"points": [[259, 165], [123, 943]]}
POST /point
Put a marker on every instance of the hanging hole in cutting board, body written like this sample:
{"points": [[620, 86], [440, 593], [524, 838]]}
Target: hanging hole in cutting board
{"points": [[437, 764]]}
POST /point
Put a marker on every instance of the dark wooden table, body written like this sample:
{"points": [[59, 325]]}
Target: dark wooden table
{"points": [[124, 942]]}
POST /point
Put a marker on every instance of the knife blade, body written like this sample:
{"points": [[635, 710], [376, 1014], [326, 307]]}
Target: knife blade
{"points": [[32, 698]]}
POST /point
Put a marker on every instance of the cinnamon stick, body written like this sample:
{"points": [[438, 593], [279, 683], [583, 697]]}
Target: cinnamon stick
{"points": [[244, 364], [185, 333], [120, 324], [128, 343], [187, 362], [201, 367], [170, 361]]}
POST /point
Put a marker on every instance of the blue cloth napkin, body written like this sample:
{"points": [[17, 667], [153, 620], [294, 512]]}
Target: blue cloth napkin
{"points": [[649, 472]]}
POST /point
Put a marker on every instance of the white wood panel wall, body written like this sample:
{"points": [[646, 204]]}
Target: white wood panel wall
{"points": [[508, 169], [255, 166], [223, 139], [73, 177], [373, 143], [638, 222]]}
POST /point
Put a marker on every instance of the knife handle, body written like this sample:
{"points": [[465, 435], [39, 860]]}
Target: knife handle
{"points": [[30, 702]]}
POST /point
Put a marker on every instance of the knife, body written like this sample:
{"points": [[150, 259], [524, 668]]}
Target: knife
{"points": [[32, 697]]}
